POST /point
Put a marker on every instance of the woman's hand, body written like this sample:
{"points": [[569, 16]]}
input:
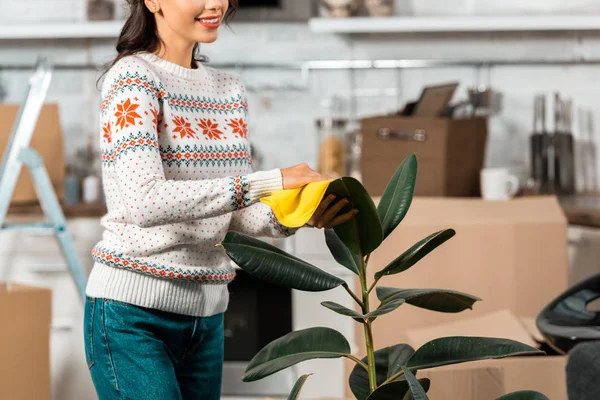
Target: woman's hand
{"points": [[299, 175], [327, 215]]}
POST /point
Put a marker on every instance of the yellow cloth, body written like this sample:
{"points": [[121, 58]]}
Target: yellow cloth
{"points": [[295, 207]]}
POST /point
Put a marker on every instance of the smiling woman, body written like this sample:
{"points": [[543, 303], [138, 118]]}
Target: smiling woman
{"points": [[149, 17], [177, 176]]}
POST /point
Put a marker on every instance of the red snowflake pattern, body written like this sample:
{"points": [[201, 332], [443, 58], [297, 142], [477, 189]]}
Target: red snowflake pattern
{"points": [[126, 113], [239, 127], [210, 129], [184, 128], [154, 112], [107, 135]]}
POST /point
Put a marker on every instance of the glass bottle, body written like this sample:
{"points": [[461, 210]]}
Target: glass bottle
{"points": [[332, 143]]}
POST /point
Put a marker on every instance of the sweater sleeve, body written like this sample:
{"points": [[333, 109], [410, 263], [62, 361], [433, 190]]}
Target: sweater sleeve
{"points": [[131, 102], [259, 220]]}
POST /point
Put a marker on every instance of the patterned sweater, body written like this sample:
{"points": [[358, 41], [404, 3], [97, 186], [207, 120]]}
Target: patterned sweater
{"points": [[176, 172]]}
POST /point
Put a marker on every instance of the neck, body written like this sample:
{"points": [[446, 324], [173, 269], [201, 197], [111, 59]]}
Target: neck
{"points": [[174, 48]]}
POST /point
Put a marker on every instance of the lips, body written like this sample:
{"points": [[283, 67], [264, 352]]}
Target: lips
{"points": [[212, 22]]}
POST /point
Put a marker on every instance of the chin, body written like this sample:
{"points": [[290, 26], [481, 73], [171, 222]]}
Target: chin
{"points": [[204, 36], [212, 39], [207, 38]]}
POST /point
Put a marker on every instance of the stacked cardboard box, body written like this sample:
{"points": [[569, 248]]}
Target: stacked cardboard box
{"points": [[47, 140], [25, 315], [513, 255]]}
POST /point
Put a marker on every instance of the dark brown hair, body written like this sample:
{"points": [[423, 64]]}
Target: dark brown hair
{"points": [[139, 32]]}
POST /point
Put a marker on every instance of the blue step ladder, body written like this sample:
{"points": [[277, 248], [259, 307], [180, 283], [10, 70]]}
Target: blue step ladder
{"points": [[17, 154]]}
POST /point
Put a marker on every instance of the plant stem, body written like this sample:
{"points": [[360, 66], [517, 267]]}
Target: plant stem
{"points": [[354, 296], [370, 357], [393, 378], [373, 286], [368, 330], [359, 362]]}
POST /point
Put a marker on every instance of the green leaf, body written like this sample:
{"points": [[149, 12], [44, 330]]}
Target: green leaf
{"points": [[381, 310], [418, 393], [341, 253], [338, 308], [397, 390], [385, 308], [524, 395], [388, 362], [362, 234], [456, 350], [398, 356], [274, 265], [425, 384], [294, 348], [413, 255], [446, 301], [298, 387], [398, 195]]}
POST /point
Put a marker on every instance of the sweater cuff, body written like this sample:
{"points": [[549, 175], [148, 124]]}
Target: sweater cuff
{"points": [[264, 183]]}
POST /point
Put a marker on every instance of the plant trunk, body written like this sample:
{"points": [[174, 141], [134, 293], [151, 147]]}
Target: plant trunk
{"points": [[368, 330]]}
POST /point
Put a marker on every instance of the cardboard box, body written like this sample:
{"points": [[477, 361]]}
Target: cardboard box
{"points": [[25, 317], [450, 152], [47, 140], [512, 255], [490, 379]]}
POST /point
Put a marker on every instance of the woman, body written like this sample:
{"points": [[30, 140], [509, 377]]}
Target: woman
{"points": [[177, 178]]}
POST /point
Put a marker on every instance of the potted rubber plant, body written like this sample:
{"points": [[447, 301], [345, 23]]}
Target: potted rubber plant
{"points": [[391, 372]]}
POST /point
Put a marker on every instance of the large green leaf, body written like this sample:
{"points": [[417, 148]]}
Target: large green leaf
{"points": [[398, 195], [447, 301], [341, 253], [274, 265], [524, 395], [363, 233], [456, 350], [418, 393], [388, 362], [398, 356], [298, 387], [413, 255], [381, 310], [340, 309], [397, 390], [386, 307], [294, 348]]}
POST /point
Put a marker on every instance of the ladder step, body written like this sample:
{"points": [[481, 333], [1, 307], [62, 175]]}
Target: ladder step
{"points": [[50, 269], [29, 226]]}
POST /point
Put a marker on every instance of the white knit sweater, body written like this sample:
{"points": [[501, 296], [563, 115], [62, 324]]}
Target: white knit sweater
{"points": [[177, 177]]}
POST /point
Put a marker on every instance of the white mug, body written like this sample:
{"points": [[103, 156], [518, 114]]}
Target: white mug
{"points": [[498, 184]]}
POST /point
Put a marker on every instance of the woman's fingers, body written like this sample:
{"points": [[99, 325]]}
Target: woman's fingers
{"points": [[299, 175], [340, 219], [332, 211], [316, 218]]}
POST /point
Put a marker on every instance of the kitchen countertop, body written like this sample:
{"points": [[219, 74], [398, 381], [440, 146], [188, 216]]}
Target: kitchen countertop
{"points": [[71, 211], [582, 210]]}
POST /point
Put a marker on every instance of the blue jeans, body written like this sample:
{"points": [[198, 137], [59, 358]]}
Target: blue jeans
{"points": [[135, 353]]}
